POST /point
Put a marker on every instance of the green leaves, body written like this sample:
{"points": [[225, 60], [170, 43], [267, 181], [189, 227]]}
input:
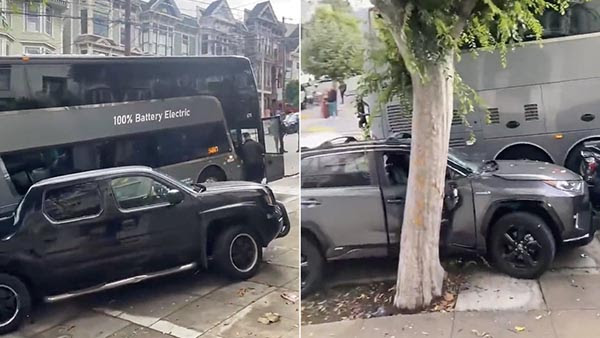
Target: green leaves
{"points": [[434, 29], [332, 44]]}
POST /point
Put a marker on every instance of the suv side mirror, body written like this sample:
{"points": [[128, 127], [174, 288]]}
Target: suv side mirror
{"points": [[174, 196]]}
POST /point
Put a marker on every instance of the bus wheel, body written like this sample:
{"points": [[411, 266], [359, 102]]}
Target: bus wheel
{"points": [[574, 161], [524, 152], [212, 174]]}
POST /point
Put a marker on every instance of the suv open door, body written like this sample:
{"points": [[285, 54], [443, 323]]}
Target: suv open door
{"points": [[273, 129]]}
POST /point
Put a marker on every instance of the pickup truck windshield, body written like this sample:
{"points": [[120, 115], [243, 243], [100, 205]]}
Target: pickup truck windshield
{"points": [[461, 159]]}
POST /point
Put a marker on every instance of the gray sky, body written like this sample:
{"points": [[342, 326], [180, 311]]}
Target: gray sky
{"points": [[290, 9]]}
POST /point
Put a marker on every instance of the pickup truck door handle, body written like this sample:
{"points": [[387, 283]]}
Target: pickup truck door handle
{"points": [[397, 200], [128, 224], [310, 202]]}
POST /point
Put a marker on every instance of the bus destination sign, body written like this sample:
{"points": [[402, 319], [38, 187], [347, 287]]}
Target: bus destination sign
{"points": [[168, 114]]}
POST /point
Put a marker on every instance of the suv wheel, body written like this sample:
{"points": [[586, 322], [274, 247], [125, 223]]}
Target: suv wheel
{"points": [[521, 245], [15, 303], [311, 266], [237, 252]]}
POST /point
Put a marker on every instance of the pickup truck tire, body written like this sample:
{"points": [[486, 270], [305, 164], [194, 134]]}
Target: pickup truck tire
{"points": [[15, 303], [521, 245], [237, 252], [311, 266]]}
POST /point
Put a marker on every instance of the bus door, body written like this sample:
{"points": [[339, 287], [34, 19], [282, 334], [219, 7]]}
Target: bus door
{"points": [[273, 131]]}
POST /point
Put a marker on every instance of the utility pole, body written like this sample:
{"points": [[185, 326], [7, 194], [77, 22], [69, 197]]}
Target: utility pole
{"points": [[283, 47], [262, 85], [127, 27]]}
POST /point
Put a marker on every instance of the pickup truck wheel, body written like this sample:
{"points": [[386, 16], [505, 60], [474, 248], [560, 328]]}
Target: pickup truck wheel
{"points": [[311, 267], [15, 303], [237, 252], [522, 245]]}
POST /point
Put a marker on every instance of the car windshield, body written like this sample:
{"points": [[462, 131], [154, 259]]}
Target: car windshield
{"points": [[461, 159]]}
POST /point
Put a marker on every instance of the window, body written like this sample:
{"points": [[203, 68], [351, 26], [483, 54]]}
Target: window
{"points": [[133, 192], [100, 23], [162, 43], [33, 18], [5, 78], [185, 45], [205, 48], [49, 15], [73, 202], [337, 170], [396, 168], [84, 21], [34, 50]]}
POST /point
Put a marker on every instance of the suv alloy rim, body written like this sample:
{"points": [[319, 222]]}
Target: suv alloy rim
{"points": [[520, 248], [10, 305], [243, 252]]}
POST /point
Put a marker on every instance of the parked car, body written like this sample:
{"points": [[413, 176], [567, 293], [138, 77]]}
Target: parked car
{"points": [[81, 233], [516, 212], [291, 123]]}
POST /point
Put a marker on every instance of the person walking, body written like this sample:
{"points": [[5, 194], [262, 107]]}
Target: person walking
{"points": [[253, 155], [332, 101], [342, 90]]}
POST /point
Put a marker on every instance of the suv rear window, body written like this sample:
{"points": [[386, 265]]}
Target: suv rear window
{"points": [[73, 202], [336, 170]]}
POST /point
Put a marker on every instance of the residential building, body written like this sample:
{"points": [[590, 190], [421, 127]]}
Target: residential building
{"points": [[221, 33], [292, 44], [158, 28], [31, 27], [264, 43]]}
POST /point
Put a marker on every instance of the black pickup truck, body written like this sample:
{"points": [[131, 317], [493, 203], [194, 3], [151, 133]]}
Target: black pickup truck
{"points": [[96, 230]]}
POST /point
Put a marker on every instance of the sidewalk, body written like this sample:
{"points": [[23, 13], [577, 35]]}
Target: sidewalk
{"points": [[563, 303], [315, 129]]}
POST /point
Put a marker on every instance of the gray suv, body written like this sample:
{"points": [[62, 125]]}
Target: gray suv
{"points": [[515, 212]]}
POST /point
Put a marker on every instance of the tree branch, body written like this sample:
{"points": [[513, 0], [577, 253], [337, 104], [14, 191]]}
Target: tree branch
{"points": [[396, 12], [465, 9]]}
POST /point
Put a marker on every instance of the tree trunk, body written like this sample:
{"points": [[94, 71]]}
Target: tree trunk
{"points": [[420, 274]]}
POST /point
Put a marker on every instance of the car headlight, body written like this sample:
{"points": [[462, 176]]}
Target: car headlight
{"points": [[569, 186]]}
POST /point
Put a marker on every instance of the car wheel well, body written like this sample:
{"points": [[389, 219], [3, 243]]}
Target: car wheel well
{"points": [[212, 171], [216, 227], [573, 157], [311, 236], [24, 279], [531, 207], [524, 151]]}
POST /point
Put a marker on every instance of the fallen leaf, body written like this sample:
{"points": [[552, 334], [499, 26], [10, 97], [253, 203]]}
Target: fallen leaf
{"points": [[292, 297], [519, 328], [448, 297], [269, 317]]}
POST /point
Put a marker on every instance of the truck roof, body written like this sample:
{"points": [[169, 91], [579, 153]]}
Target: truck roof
{"points": [[94, 173]]}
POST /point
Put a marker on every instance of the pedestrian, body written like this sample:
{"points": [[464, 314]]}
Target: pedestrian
{"points": [[280, 130], [342, 90], [253, 155], [332, 101]]}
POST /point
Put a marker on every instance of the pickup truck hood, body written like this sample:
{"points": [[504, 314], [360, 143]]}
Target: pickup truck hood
{"points": [[522, 170]]}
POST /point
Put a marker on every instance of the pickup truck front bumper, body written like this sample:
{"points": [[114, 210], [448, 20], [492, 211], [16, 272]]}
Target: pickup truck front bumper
{"points": [[279, 221]]}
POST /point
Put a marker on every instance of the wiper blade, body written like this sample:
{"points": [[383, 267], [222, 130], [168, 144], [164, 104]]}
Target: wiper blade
{"points": [[490, 165], [200, 186]]}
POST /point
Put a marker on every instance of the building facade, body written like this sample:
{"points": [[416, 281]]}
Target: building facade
{"points": [[264, 48], [31, 27], [157, 28], [221, 33]]}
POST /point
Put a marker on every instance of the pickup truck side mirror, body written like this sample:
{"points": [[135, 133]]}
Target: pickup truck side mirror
{"points": [[174, 196]]}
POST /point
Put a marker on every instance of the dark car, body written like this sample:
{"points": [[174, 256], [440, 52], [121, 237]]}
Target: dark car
{"points": [[81, 233], [516, 212]]}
